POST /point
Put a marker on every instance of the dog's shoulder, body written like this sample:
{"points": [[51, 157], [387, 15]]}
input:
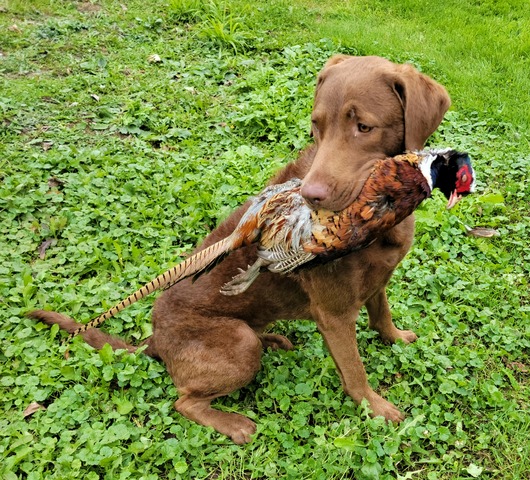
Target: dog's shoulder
{"points": [[297, 168]]}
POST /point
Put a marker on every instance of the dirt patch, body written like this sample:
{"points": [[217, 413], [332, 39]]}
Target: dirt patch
{"points": [[87, 7]]}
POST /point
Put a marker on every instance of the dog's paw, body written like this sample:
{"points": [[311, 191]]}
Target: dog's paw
{"points": [[381, 408], [241, 430], [275, 342], [406, 336]]}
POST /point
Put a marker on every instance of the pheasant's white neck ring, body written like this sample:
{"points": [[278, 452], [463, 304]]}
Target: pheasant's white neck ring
{"points": [[425, 164]]}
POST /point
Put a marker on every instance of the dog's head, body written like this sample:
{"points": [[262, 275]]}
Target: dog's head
{"points": [[365, 109]]}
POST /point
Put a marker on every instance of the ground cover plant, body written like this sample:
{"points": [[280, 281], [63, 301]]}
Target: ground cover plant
{"points": [[131, 129]]}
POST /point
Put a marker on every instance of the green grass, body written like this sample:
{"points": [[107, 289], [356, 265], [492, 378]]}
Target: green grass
{"points": [[478, 49], [123, 163]]}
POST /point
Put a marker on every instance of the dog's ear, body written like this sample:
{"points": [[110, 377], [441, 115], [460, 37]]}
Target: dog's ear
{"points": [[424, 104], [336, 59]]}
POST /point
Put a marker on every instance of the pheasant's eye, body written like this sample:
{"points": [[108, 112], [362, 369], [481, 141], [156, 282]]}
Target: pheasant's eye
{"points": [[363, 128]]}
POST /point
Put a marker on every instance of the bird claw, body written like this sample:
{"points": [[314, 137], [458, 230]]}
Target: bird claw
{"points": [[241, 282], [238, 284], [232, 290]]}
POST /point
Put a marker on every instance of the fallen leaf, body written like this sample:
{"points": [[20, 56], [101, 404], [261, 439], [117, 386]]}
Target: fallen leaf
{"points": [[154, 58], [32, 408], [474, 470], [54, 182], [48, 99], [14, 28], [46, 146], [518, 366], [482, 232], [50, 242], [95, 97]]}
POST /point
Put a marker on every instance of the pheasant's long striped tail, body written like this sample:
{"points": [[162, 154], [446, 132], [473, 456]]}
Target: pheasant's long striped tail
{"points": [[194, 266]]}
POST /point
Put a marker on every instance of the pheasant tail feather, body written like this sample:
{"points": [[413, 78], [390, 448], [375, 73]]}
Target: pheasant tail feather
{"points": [[195, 265]]}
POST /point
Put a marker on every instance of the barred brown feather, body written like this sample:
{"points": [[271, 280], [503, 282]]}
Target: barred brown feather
{"points": [[193, 265]]}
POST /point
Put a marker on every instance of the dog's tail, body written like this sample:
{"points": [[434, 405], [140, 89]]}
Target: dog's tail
{"points": [[95, 338]]}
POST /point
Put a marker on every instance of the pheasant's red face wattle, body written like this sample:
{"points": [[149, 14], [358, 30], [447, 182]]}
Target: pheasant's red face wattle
{"points": [[463, 186], [464, 180]]}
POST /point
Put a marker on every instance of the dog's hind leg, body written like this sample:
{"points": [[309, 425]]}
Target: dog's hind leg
{"points": [[275, 341], [208, 358], [238, 427]]}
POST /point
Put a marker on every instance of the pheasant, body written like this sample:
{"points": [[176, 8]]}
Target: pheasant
{"points": [[290, 235]]}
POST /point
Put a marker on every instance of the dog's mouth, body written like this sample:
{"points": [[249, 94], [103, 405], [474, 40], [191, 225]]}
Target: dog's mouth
{"points": [[338, 200], [338, 192], [351, 191]]}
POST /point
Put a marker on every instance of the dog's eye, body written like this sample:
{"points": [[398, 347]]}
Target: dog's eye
{"points": [[363, 128]]}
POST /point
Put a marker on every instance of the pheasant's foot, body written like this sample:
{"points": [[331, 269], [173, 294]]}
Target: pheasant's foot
{"points": [[241, 282], [275, 342]]}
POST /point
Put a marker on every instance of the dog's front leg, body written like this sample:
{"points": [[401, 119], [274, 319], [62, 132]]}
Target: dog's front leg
{"points": [[339, 334], [380, 319], [335, 298]]}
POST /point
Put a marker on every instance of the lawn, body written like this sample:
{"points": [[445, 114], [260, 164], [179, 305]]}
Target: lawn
{"points": [[129, 130]]}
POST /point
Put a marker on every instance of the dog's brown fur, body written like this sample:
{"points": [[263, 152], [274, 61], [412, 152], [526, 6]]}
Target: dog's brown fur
{"points": [[365, 108]]}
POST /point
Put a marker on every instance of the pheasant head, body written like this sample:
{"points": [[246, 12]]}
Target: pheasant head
{"points": [[450, 171]]}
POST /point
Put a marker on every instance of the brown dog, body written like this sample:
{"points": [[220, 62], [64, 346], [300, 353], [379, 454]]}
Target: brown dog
{"points": [[366, 108]]}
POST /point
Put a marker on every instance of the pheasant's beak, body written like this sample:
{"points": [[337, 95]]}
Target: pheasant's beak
{"points": [[454, 198]]}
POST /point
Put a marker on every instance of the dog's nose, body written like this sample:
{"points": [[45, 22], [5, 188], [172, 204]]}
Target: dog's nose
{"points": [[314, 193]]}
